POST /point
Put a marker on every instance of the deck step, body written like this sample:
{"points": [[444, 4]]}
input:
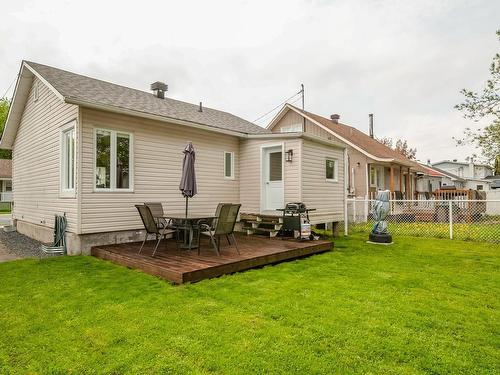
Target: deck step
{"points": [[251, 230], [264, 224]]}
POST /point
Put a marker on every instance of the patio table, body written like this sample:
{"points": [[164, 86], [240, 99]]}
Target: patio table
{"points": [[190, 224]]}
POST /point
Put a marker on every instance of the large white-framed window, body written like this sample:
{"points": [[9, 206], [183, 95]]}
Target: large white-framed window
{"points": [[332, 170], [68, 159], [113, 160], [229, 165]]}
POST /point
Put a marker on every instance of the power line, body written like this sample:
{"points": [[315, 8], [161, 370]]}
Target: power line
{"points": [[279, 105], [6, 91], [272, 112]]}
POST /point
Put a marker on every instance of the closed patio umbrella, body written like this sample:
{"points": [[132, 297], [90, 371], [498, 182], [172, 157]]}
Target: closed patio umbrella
{"points": [[188, 179]]}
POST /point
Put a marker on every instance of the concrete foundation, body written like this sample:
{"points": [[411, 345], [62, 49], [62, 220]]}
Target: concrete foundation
{"points": [[78, 244]]}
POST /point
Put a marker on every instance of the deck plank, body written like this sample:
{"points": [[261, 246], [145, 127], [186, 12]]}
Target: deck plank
{"points": [[181, 266]]}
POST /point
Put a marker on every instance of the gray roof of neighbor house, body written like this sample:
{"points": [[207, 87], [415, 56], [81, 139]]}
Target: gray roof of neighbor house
{"points": [[84, 90], [446, 173]]}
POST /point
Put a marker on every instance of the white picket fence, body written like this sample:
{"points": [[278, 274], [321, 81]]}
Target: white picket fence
{"points": [[475, 220]]}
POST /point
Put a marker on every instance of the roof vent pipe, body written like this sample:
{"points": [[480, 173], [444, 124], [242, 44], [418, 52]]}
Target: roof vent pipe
{"points": [[159, 89], [335, 118], [370, 117], [201, 107]]}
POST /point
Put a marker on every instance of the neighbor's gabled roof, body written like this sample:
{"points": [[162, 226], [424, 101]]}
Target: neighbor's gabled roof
{"points": [[430, 171], [352, 137], [448, 174], [90, 92]]}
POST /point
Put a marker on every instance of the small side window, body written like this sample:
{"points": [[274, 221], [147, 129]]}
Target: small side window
{"points": [[229, 165], [68, 159], [331, 170]]}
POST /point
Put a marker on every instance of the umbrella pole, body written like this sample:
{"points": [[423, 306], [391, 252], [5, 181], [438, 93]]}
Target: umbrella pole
{"points": [[186, 240]]}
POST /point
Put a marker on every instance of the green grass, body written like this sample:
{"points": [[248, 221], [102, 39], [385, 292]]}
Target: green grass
{"points": [[418, 306], [482, 231]]}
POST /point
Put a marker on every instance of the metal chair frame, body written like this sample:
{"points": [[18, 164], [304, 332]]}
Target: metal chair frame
{"points": [[222, 225], [152, 226]]}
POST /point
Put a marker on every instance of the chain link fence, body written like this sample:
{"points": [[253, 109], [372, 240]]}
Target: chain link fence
{"points": [[463, 219]]}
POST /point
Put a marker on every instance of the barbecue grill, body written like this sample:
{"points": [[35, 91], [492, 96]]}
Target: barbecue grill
{"points": [[296, 220]]}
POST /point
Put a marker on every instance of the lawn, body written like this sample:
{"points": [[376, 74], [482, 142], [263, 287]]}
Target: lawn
{"points": [[484, 231], [419, 306]]}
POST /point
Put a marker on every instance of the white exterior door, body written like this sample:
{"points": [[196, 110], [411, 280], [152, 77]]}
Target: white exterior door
{"points": [[272, 173]]}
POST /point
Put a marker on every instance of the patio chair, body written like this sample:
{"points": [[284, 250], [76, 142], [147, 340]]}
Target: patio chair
{"points": [[223, 225], [159, 229], [156, 209]]}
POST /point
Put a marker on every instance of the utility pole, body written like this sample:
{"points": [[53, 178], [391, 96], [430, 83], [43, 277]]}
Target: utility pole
{"points": [[303, 105], [302, 92]]}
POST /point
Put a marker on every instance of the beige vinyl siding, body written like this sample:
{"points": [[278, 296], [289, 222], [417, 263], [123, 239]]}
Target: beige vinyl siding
{"points": [[157, 158], [36, 160], [251, 183], [313, 129], [289, 119], [327, 197]]}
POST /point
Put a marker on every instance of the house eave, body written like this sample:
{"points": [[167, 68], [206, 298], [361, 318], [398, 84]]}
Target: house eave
{"points": [[292, 135], [129, 112]]}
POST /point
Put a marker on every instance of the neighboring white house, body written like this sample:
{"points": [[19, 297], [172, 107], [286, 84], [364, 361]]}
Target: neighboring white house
{"points": [[5, 182], [92, 150], [471, 176], [431, 179]]}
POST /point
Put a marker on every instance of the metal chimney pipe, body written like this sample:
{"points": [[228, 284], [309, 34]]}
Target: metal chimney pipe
{"points": [[370, 117], [201, 107]]}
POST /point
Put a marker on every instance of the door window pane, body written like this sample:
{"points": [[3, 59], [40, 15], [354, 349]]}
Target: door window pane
{"points": [[103, 159], [122, 161], [275, 166]]}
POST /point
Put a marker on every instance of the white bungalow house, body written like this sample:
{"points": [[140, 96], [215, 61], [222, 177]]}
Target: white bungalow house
{"points": [[5, 183], [469, 174], [92, 150]]}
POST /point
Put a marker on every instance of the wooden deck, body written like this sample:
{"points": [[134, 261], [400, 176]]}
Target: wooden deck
{"points": [[181, 266]]}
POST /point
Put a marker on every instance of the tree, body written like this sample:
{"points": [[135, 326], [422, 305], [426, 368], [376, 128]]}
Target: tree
{"points": [[4, 110], [400, 146], [484, 105]]}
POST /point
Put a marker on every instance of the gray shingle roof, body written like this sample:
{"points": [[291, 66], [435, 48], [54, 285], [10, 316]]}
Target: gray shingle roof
{"points": [[94, 91]]}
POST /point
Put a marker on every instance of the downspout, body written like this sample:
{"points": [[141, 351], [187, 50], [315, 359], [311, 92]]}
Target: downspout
{"points": [[346, 176]]}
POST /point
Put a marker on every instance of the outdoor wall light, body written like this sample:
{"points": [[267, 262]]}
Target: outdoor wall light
{"points": [[289, 155]]}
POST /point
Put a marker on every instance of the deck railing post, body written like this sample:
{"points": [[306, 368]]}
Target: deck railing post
{"points": [[450, 215]]}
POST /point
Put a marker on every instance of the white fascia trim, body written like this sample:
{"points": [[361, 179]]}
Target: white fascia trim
{"points": [[45, 82], [387, 160], [130, 112], [7, 122], [309, 137], [278, 116]]}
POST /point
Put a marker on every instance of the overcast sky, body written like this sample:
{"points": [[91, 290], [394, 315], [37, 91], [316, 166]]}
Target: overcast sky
{"points": [[404, 61]]}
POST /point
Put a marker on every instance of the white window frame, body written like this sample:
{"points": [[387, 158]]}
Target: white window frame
{"points": [[379, 174], [112, 175], [294, 128], [232, 165], [65, 191], [335, 169]]}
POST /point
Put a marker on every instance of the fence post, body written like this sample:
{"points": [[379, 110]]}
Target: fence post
{"points": [[346, 214], [450, 216]]}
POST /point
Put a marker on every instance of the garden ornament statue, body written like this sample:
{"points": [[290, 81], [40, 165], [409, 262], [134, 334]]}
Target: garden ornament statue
{"points": [[381, 208]]}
